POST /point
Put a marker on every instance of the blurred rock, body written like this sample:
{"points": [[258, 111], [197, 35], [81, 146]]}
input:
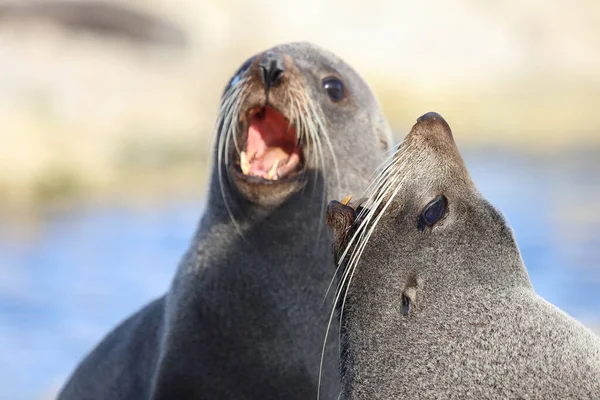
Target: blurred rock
{"points": [[98, 17]]}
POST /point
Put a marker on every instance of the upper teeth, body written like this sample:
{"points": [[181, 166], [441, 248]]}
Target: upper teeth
{"points": [[244, 163]]}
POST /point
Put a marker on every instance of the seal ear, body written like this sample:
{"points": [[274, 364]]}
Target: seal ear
{"points": [[408, 300], [340, 218], [409, 296]]}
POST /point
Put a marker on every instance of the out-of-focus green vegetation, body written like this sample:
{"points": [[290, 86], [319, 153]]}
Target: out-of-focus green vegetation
{"points": [[89, 114]]}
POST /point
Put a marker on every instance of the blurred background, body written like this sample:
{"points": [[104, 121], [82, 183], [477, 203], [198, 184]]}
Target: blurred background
{"points": [[106, 117]]}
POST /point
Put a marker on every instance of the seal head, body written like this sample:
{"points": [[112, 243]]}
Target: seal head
{"points": [[284, 114], [433, 296]]}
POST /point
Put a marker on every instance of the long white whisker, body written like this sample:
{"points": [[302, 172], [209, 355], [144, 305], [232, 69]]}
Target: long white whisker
{"points": [[324, 172], [227, 127], [323, 131], [314, 129], [364, 242], [311, 133], [357, 254], [373, 189], [303, 128], [379, 193], [363, 225]]}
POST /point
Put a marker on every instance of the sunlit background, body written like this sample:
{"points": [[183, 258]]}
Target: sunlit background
{"points": [[106, 116]]}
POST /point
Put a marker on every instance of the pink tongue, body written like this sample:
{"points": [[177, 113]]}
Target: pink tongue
{"points": [[260, 132], [256, 145], [267, 131], [268, 141], [261, 156]]}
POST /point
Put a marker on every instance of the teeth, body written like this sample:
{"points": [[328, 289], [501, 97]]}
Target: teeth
{"points": [[272, 174], [244, 163]]}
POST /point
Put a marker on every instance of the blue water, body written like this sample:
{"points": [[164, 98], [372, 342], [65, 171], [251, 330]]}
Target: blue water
{"points": [[67, 280]]}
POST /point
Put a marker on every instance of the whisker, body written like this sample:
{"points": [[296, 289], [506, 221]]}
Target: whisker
{"points": [[323, 131], [387, 165], [226, 128], [323, 191], [314, 130], [311, 135], [359, 250], [380, 194], [232, 130], [363, 244], [373, 189], [303, 128], [379, 191]]}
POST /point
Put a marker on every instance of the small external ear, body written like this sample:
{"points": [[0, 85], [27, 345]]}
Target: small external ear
{"points": [[408, 300], [409, 296], [340, 218]]}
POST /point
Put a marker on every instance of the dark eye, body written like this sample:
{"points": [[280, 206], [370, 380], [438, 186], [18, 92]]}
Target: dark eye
{"points": [[432, 212], [334, 88]]}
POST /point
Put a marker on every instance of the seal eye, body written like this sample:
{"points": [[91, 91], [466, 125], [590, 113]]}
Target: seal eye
{"points": [[334, 88], [433, 212]]}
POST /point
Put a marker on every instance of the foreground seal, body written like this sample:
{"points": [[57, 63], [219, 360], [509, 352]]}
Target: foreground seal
{"points": [[244, 317], [434, 298]]}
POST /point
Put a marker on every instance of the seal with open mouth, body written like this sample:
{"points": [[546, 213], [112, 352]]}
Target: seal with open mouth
{"points": [[244, 316], [434, 299]]}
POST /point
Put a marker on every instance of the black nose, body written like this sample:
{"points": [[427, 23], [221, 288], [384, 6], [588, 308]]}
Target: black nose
{"points": [[271, 69], [433, 120]]}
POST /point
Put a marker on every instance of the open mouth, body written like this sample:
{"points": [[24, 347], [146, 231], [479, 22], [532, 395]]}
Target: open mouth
{"points": [[271, 150]]}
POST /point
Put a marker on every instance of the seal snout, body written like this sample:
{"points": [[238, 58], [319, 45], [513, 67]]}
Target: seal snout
{"points": [[272, 67], [434, 121], [272, 150], [432, 115]]}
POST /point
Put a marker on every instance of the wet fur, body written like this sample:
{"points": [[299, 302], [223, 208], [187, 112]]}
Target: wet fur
{"points": [[244, 317], [476, 329]]}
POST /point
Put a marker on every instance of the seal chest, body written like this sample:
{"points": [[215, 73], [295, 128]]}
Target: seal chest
{"points": [[433, 296]]}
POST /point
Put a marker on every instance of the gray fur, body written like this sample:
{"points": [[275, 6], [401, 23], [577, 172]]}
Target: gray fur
{"points": [[476, 329], [244, 317]]}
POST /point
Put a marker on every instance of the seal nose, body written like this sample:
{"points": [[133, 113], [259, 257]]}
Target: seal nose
{"points": [[430, 115], [271, 68], [435, 120]]}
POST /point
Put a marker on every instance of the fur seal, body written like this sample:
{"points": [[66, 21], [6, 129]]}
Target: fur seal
{"points": [[244, 316], [434, 298]]}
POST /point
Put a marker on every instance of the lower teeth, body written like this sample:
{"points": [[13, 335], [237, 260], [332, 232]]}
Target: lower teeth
{"points": [[245, 167], [272, 174]]}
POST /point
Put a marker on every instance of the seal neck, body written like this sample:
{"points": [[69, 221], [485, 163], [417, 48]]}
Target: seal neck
{"points": [[240, 232]]}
